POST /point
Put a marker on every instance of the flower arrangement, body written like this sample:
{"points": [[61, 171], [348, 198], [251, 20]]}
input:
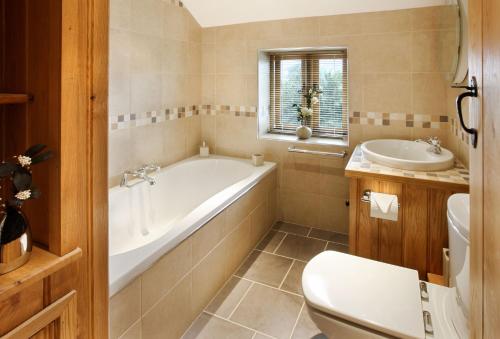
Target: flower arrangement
{"points": [[19, 173], [304, 113]]}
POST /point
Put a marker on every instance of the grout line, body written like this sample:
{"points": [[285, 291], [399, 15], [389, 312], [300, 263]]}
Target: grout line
{"points": [[273, 287], [281, 242], [128, 329], [297, 320], [239, 302], [287, 272], [280, 255], [309, 232], [240, 325]]}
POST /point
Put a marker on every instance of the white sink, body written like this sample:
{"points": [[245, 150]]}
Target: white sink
{"points": [[408, 155]]}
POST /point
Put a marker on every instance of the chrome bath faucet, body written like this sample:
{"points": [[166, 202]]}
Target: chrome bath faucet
{"points": [[142, 173]]}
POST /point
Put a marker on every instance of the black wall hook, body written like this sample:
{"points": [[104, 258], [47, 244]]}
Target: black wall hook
{"points": [[472, 91]]}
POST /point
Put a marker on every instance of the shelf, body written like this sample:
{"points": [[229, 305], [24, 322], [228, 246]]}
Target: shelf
{"points": [[41, 264], [6, 98]]}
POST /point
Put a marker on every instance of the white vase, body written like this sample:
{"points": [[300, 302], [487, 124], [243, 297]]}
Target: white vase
{"points": [[303, 132]]}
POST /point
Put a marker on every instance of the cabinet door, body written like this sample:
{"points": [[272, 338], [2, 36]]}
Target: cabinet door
{"points": [[415, 223], [438, 229], [391, 232], [368, 232]]}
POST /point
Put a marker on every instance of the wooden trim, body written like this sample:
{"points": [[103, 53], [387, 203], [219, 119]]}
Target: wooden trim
{"points": [[41, 265], [63, 311], [13, 98]]}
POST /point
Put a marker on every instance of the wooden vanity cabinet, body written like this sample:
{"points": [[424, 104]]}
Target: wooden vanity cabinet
{"points": [[417, 239]]}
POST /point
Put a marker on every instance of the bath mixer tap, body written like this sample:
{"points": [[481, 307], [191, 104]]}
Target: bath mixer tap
{"points": [[435, 144], [142, 173]]}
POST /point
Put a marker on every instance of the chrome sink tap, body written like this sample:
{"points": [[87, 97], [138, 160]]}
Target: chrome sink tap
{"points": [[142, 173], [435, 144]]}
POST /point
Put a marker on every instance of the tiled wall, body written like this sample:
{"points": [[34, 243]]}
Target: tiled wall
{"points": [[155, 76], [398, 64], [166, 298]]}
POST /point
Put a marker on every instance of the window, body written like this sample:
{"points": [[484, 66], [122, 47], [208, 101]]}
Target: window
{"points": [[294, 72]]}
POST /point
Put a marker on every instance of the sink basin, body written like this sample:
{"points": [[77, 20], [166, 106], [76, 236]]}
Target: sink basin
{"points": [[408, 155]]}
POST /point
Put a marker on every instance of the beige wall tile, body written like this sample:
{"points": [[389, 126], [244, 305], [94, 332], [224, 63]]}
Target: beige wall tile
{"points": [[341, 24], [172, 315], [429, 89], [175, 23], [387, 52], [120, 13], [259, 222], [238, 244], [119, 146], [386, 22], [378, 98], [134, 332], [433, 51], [146, 17], [125, 308], [205, 239], [165, 274], [435, 17], [208, 277]]}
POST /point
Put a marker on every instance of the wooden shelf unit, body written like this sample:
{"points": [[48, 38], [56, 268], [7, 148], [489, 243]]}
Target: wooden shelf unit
{"points": [[41, 265], [6, 98]]}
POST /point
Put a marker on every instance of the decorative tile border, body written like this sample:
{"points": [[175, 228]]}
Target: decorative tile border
{"points": [[124, 121], [457, 175], [399, 119]]}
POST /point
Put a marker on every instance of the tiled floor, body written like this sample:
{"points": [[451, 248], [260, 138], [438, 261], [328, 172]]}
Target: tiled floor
{"points": [[263, 299]]}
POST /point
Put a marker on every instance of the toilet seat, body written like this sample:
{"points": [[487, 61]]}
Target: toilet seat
{"points": [[380, 297]]}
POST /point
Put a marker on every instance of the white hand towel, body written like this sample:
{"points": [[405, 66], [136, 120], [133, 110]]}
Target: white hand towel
{"points": [[384, 206]]}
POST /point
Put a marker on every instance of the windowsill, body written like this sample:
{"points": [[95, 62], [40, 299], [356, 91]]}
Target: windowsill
{"points": [[310, 141]]}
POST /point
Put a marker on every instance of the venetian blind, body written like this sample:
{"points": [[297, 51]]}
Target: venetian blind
{"points": [[293, 73]]}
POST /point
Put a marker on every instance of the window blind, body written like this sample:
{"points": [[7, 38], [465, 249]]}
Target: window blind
{"points": [[292, 73]]}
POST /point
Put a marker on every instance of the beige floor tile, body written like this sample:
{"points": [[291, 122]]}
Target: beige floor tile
{"points": [[337, 247], [261, 336], [338, 238], [269, 311], [271, 241], [265, 268], [291, 228], [300, 248], [229, 296], [293, 280], [306, 328], [210, 327]]}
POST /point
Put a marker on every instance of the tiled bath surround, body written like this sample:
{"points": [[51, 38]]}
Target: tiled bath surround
{"points": [[166, 298]]}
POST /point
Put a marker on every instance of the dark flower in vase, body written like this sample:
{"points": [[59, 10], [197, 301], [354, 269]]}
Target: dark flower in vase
{"points": [[12, 222]]}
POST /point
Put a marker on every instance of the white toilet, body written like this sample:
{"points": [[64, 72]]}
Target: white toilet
{"points": [[349, 297]]}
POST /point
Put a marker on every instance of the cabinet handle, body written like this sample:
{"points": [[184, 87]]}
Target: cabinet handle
{"points": [[472, 92]]}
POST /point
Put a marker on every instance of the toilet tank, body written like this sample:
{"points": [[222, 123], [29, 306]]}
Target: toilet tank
{"points": [[458, 234]]}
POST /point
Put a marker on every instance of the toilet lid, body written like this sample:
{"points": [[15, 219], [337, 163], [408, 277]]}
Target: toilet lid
{"points": [[379, 296]]}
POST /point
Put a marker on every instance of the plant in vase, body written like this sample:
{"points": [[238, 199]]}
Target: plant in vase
{"points": [[15, 233], [305, 112]]}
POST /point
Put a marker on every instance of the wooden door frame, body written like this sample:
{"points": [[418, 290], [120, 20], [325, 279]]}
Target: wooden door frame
{"points": [[84, 158]]}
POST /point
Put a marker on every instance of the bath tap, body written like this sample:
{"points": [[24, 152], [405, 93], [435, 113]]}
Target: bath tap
{"points": [[435, 144], [140, 173]]}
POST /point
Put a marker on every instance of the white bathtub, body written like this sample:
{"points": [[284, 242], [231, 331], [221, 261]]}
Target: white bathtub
{"points": [[145, 222]]}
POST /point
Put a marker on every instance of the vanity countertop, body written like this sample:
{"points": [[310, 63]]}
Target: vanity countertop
{"points": [[358, 166]]}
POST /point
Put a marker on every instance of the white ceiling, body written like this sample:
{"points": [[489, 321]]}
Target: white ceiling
{"points": [[226, 12]]}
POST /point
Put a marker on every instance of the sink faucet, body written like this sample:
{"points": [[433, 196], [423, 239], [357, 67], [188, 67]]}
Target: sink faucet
{"points": [[435, 144], [142, 173]]}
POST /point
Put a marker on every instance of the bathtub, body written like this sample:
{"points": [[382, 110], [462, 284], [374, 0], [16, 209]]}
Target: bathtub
{"points": [[146, 222]]}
